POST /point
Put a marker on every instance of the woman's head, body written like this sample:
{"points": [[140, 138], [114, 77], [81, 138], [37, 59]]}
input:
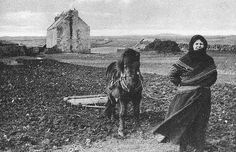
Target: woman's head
{"points": [[197, 51], [198, 43]]}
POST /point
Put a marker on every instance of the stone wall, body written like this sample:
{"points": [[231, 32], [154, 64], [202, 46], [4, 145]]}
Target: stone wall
{"points": [[214, 47], [9, 49], [63, 36]]}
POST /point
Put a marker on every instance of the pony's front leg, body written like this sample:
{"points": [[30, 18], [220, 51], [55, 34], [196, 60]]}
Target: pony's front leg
{"points": [[122, 113], [136, 105], [182, 147], [107, 111], [110, 107]]}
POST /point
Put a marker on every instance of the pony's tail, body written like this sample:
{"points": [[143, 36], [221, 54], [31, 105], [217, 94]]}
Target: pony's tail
{"points": [[111, 69]]}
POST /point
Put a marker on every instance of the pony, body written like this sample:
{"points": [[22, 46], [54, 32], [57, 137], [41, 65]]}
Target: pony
{"points": [[124, 85]]}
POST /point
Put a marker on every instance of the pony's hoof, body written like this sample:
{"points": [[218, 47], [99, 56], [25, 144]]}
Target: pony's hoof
{"points": [[160, 138], [121, 133], [137, 127]]}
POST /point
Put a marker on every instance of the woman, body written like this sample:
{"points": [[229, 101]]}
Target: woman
{"points": [[188, 114]]}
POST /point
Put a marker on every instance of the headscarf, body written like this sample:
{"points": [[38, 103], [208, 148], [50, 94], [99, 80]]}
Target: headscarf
{"points": [[194, 39], [196, 56]]}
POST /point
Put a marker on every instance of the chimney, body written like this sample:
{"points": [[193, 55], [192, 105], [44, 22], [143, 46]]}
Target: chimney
{"points": [[76, 13], [56, 18]]}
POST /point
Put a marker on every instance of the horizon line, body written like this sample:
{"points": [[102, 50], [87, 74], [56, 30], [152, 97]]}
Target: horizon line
{"points": [[127, 35]]}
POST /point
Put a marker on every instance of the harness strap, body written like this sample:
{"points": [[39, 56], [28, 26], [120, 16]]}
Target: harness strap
{"points": [[113, 83], [124, 86]]}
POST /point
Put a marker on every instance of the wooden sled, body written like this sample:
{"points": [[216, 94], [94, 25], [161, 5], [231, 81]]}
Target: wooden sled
{"points": [[90, 101]]}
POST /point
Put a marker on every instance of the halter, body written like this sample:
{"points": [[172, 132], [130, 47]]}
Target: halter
{"points": [[123, 84]]}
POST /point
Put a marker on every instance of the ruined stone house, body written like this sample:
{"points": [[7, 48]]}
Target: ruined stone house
{"points": [[69, 33]]}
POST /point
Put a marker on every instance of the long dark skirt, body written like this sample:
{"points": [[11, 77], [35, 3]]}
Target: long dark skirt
{"points": [[187, 118]]}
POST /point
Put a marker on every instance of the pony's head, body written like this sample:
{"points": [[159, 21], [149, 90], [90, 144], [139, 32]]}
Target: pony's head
{"points": [[129, 66]]}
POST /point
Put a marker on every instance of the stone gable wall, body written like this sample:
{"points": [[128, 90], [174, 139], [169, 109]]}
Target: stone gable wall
{"points": [[51, 39], [71, 35], [81, 36]]}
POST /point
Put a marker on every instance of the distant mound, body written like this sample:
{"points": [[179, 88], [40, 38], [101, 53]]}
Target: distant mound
{"points": [[10, 49], [158, 46]]}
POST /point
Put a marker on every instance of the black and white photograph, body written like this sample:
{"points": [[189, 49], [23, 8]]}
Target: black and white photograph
{"points": [[117, 76]]}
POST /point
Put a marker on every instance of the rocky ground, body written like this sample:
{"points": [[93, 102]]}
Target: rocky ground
{"points": [[34, 117]]}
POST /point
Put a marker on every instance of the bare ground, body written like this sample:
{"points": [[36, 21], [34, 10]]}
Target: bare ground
{"points": [[28, 110]]}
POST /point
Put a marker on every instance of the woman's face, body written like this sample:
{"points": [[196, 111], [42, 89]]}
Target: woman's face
{"points": [[197, 45]]}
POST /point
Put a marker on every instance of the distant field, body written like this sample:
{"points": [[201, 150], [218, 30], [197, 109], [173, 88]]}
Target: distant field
{"points": [[27, 40], [104, 50], [126, 41], [151, 62], [223, 40]]}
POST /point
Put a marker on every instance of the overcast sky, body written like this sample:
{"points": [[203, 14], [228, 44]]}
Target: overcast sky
{"points": [[122, 17]]}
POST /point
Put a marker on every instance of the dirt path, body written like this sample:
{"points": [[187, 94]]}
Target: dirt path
{"points": [[135, 143]]}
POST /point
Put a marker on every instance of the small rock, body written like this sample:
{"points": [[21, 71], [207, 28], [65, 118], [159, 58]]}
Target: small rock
{"points": [[45, 142], [88, 142]]}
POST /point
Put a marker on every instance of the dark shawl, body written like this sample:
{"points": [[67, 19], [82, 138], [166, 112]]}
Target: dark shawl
{"points": [[188, 113]]}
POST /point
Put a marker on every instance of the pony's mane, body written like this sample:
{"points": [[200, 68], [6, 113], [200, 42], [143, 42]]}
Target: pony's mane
{"points": [[113, 71]]}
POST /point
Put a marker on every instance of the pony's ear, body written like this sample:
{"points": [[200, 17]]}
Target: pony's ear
{"points": [[137, 56], [120, 65]]}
